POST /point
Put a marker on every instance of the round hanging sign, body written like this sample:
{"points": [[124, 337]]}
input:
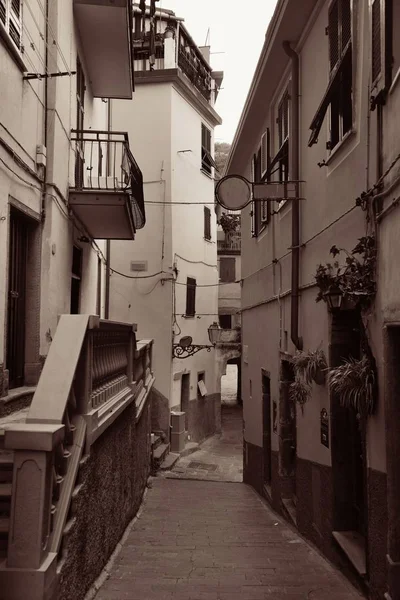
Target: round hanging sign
{"points": [[233, 192]]}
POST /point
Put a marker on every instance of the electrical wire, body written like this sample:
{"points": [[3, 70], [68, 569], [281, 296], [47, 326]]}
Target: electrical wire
{"points": [[32, 185], [195, 262]]}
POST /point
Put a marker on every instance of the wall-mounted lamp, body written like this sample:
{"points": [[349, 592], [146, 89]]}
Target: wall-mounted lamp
{"points": [[186, 348]]}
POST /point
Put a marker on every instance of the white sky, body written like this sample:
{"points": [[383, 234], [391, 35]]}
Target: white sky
{"points": [[237, 32]]}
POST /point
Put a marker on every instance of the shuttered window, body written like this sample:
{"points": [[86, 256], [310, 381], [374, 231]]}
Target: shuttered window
{"points": [[207, 223], [207, 161], [227, 269], [382, 58], [190, 297], [11, 17], [339, 94]]}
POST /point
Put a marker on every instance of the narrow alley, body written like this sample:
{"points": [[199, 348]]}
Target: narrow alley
{"points": [[203, 536]]}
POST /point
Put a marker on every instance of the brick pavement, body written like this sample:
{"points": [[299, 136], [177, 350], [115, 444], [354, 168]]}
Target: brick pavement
{"points": [[201, 540]]}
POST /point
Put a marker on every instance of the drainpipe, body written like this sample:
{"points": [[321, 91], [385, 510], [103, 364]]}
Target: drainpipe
{"points": [[295, 168], [46, 108], [108, 275]]}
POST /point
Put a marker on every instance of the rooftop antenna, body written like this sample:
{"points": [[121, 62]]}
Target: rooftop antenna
{"points": [[207, 37]]}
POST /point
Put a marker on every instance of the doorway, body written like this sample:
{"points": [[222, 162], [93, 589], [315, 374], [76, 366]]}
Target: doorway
{"points": [[266, 407], [185, 396], [16, 307], [348, 435], [287, 438]]}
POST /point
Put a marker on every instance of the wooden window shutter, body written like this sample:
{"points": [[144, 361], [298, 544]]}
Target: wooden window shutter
{"points": [[252, 205], [190, 297], [333, 31], [227, 269], [345, 21], [3, 11], [381, 53], [207, 223], [376, 57]]}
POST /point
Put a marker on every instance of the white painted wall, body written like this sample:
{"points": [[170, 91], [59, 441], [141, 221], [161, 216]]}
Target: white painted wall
{"points": [[148, 302], [194, 256]]}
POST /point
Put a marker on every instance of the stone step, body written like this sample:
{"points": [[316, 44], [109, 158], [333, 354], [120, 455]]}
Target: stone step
{"points": [[156, 441], [189, 448], [290, 510], [169, 461], [159, 454]]}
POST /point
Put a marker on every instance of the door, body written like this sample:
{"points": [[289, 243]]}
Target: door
{"points": [[80, 113], [16, 308], [288, 426], [266, 402], [185, 395]]}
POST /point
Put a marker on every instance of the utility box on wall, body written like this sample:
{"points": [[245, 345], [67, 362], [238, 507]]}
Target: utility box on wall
{"points": [[177, 431]]}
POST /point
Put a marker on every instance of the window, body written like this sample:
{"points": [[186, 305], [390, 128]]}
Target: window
{"points": [[384, 47], [207, 223], [190, 297], [227, 269], [260, 209], [339, 93], [207, 161], [225, 321], [282, 161], [11, 18]]}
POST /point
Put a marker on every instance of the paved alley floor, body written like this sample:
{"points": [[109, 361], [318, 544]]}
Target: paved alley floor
{"points": [[202, 540], [220, 457]]}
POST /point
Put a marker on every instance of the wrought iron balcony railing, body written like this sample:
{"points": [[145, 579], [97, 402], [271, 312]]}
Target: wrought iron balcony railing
{"points": [[105, 163], [231, 243], [197, 74]]}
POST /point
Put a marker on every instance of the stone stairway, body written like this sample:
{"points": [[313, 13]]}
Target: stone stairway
{"points": [[161, 458]]}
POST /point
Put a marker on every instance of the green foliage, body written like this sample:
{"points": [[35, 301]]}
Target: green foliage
{"points": [[229, 222], [355, 280], [355, 384], [221, 153], [299, 392], [311, 365]]}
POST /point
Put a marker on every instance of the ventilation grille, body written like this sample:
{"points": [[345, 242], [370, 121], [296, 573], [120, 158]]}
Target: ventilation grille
{"points": [[139, 265]]}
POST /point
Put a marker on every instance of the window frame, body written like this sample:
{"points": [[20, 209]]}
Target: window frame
{"points": [[336, 88], [191, 285], [207, 223], [207, 160], [9, 18]]}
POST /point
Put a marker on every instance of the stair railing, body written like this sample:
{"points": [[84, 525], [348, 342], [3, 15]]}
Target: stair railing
{"points": [[93, 371]]}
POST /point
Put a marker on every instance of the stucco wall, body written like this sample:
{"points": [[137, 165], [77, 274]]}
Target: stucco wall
{"points": [[113, 481], [148, 302], [329, 193]]}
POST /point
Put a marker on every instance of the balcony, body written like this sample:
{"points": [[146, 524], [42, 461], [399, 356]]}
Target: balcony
{"points": [[231, 243], [230, 336], [195, 71], [105, 28], [107, 190]]}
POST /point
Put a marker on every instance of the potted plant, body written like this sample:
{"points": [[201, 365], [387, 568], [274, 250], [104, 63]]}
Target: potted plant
{"points": [[355, 383], [352, 284], [299, 392], [311, 366]]}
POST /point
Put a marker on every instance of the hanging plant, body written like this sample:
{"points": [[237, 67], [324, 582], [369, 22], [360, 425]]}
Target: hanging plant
{"points": [[299, 392], [229, 223], [311, 366], [355, 383], [355, 280]]}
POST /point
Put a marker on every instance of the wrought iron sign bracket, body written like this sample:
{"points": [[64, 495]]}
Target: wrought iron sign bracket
{"points": [[179, 351]]}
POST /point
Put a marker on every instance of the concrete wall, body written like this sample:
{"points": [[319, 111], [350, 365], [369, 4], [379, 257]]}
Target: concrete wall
{"points": [[328, 216], [193, 255], [148, 302], [22, 129], [161, 123]]}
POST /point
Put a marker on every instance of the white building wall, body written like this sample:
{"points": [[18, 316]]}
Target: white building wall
{"points": [[148, 301], [194, 256]]}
